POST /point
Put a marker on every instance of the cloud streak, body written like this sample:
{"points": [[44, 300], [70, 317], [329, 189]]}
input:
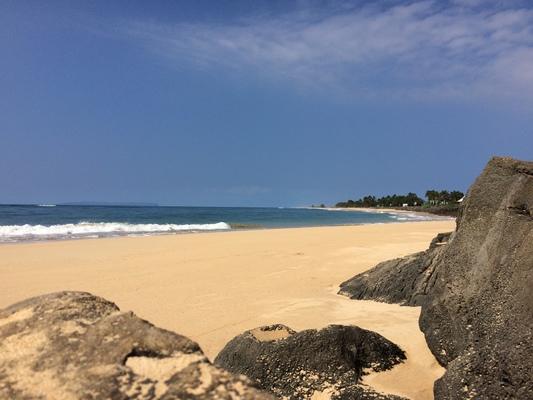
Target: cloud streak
{"points": [[421, 49]]}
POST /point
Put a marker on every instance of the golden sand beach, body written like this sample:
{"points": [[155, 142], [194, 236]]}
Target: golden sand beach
{"points": [[213, 286]]}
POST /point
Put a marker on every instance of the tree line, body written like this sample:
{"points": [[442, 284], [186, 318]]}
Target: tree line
{"points": [[443, 197], [434, 198]]}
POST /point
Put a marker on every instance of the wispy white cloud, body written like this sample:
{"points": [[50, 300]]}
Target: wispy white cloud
{"points": [[423, 49]]}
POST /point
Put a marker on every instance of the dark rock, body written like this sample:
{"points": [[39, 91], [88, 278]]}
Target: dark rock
{"points": [[476, 292], [296, 365], [402, 280], [72, 345]]}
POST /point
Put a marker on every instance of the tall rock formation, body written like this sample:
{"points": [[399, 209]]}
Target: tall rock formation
{"points": [[476, 291]]}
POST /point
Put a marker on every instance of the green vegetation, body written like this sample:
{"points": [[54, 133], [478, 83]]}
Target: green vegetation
{"points": [[435, 198]]}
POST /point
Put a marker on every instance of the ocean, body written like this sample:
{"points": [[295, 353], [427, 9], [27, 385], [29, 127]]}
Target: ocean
{"points": [[51, 222]]}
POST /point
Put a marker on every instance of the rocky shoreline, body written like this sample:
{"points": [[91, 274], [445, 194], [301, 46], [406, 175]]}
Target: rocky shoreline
{"points": [[475, 288], [473, 284], [70, 345]]}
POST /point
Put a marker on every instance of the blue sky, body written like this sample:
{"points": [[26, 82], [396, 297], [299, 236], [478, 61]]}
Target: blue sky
{"points": [[258, 102]]}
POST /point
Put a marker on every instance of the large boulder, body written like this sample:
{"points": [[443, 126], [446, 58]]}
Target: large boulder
{"points": [[476, 291], [402, 280], [310, 363], [73, 345]]}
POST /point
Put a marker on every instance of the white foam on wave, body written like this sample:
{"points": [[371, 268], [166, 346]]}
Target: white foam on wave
{"points": [[87, 229], [46, 205], [405, 216]]}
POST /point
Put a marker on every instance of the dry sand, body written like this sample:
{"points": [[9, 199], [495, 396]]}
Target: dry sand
{"points": [[213, 286]]}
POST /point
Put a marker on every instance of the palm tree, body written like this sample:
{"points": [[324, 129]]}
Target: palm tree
{"points": [[432, 196]]}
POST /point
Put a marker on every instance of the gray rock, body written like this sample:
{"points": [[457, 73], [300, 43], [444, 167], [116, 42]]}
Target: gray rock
{"points": [[73, 345], [297, 365], [476, 292], [402, 280]]}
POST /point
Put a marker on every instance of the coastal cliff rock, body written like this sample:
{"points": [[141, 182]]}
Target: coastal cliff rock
{"points": [[73, 345], [300, 365], [476, 292]]}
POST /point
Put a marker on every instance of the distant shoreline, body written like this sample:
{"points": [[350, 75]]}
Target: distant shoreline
{"points": [[429, 211], [382, 210]]}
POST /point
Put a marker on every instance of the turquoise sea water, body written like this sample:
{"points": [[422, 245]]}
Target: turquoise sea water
{"points": [[46, 222]]}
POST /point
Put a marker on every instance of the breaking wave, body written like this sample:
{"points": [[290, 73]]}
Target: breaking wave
{"points": [[15, 233], [417, 217]]}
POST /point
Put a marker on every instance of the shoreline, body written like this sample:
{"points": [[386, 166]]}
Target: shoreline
{"points": [[397, 211], [239, 229], [213, 287], [435, 217]]}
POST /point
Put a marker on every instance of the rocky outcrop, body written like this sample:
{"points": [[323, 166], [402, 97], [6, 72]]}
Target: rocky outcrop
{"points": [[402, 280], [72, 345], [476, 291], [309, 363]]}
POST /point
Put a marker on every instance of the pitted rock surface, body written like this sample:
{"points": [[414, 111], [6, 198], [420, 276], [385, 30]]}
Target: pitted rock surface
{"points": [[300, 365], [73, 345], [476, 291]]}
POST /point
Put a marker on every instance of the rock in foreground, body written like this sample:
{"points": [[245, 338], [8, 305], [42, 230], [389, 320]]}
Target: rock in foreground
{"points": [[309, 363], [72, 345], [476, 292]]}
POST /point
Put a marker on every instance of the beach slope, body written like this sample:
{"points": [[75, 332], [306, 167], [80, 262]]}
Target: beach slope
{"points": [[213, 286]]}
